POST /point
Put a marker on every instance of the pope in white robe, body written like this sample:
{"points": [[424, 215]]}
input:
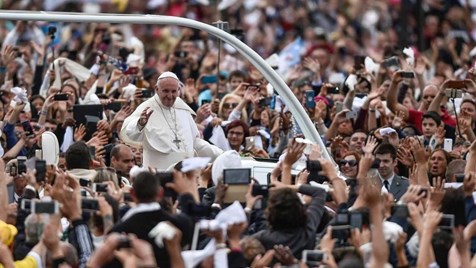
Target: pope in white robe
{"points": [[165, 128]]}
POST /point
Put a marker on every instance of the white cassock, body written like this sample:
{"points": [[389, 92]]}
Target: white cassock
{"points": [[169, 136]]}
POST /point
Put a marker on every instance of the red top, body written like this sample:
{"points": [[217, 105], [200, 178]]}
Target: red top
{"points": [[416, 117]]}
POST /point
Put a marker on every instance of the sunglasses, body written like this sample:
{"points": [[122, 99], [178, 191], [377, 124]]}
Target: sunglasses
{"points": [[351, 163], [230, 105]]}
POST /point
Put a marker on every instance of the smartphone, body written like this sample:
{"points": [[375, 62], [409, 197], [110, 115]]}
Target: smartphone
{"points": [[448, 145], [400, 211], [209, 79], [356, 219], [407, 74], [350, 115], [265, 102], [237, 176], [453, 93], [27, 128], [40, 167], [339, 106], [84, 182], [89, 204], [25, 204], [21, 165], [392, 61], [61, 97], [237, 181], [333, 90], [124, 242], [313, 258], [47, 207], [13, 170], [459, 177], [310, 103], [204, 101], [359, 62], [447, 222], [342, 218], [181, 54], [99, 187], [342, 234], [250, 143], [262, 190], [131, 70], [114, 106], [456, 84], [147, 93]]}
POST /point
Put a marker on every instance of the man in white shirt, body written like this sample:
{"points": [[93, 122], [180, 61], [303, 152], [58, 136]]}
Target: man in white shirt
{"points": [[391, 182], [165, 127]]}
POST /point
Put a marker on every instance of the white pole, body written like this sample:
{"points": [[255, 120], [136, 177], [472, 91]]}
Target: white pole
{"points": [[271, 76]]}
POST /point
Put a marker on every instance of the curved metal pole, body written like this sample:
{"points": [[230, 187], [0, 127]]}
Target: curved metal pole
{"points": [[276, 81]]}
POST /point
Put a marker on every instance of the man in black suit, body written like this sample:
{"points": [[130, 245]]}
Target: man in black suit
{"points": [[394, 184], [141, 219]]}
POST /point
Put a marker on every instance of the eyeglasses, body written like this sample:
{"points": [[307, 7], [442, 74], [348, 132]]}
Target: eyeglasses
{"points": [[230, 105], [352, 163], [235, 133]]}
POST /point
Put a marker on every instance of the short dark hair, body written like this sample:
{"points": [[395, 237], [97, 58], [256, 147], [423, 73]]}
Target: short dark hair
{"points": [[78, 156], [386, 148], [432, 115], [285, 210], [146, 187], [237, 73], [469, 101]]}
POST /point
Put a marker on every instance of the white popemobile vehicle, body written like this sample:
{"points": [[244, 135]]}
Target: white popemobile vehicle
{"points": [[259, 168]]}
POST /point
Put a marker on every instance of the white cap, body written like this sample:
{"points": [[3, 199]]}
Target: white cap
{"points": [[168, 75]]}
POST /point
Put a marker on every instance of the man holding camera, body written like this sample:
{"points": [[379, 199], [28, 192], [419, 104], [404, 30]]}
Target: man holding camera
{"points": [[165, 126]]}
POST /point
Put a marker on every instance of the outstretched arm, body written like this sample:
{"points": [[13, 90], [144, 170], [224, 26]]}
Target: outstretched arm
{"points": [[392, 97]]}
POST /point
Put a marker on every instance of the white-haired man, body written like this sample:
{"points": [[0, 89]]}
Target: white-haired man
{"points": [[165, 127]]}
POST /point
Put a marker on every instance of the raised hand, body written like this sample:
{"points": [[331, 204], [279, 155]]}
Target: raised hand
{"points": [[440, 135], [397, 121], [419, 151], [405, 156], [469, 183], [123, 113], [144, 117], [311, 64], [294, 152], [8, 55], [203, 113], [370, 145]]}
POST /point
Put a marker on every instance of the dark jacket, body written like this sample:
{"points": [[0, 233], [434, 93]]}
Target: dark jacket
{"points": [[304, 237], [141, 224], [399, 186]]}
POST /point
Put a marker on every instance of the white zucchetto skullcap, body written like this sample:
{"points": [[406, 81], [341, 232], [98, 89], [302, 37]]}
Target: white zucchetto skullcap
{"points": [[168, 75]]}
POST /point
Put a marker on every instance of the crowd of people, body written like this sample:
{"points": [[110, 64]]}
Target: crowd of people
{"points": [[122, 145]]}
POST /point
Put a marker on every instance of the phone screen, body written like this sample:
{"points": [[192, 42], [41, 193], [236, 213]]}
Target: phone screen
{"points": [[27, 128], [60, 97], [40, 166], [237, 176], [310, 103]]}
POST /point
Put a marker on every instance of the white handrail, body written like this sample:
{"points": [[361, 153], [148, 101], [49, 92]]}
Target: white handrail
{"points": [[272, 77]]}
